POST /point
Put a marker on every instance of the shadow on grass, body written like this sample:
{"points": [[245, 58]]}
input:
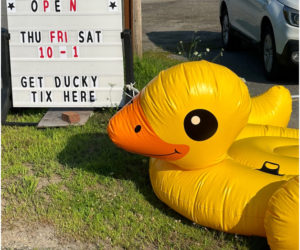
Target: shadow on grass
{"points": [[96, 153]]}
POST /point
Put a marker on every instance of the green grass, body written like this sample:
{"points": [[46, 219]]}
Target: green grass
{"points": [[151, 64], [77, 181]]}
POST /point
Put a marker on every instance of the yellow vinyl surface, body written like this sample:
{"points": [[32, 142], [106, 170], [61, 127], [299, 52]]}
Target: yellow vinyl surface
{"points": [[218, 157]]}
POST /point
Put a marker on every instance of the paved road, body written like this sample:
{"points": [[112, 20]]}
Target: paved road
{"points": [[166, 22]]}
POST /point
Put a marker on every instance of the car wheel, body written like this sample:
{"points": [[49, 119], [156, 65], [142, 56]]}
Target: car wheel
{"points": [[269, 53], [227, 36]]}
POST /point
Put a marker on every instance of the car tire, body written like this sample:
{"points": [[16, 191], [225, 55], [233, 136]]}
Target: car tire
{"points": [[228, 38], [269, 57]]}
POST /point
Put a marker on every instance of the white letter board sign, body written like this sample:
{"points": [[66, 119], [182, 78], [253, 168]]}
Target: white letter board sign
{"points": [[66, 53]]}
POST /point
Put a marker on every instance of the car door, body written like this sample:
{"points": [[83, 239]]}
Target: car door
{"points": [[247, 16]]}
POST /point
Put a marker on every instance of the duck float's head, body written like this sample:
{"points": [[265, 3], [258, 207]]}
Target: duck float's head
{"points": [[189, 115]]}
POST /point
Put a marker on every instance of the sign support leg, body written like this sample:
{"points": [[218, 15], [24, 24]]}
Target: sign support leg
{"points": [[5, 75], [129, 71]]}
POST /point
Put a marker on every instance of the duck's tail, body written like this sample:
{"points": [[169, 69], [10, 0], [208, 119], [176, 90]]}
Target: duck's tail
{"points": [[282, 217], [274, 107]]}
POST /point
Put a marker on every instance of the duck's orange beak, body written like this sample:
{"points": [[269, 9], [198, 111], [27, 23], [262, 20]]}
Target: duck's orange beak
{"points": [[130, 130]]}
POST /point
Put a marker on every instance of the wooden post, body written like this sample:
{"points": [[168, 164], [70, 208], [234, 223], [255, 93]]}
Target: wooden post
{"points": [[128, 14], [137, 28]]}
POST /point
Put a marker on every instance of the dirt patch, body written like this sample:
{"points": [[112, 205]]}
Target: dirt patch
{"points": [[43, 182], [20, 236]]}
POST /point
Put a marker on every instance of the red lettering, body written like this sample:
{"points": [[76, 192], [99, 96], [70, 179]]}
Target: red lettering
{"points": [[45, 52], [66, 37], [75, 52], [60, 36], [52, 36], [46, 5], [41, 52], [49, 52], [73, 5]]}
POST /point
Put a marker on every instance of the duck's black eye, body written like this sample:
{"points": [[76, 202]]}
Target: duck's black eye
{"points": [[200, 124], [137, 128]]}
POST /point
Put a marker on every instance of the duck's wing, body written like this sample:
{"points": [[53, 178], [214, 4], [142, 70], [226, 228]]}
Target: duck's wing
{"points": [[274, 107]]}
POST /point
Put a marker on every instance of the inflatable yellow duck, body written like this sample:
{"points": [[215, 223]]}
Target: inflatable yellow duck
{"points": [[218, 157]]}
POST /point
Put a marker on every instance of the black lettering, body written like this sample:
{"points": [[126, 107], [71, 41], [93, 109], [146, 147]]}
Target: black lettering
{"points": [[57, 81], [38, 37], [81, 36], [74, 96], [83, 96], [41, 93], [84, 82], [89, 37], [30, 36], [31, 82], [23, 81], [23, 36], [67, 81], [57, 5], [48, 93], [66, 96], [74, 81], [92, 96], [33, 95], [98, 32], [40, 78], [94, 80], [34, 5]]}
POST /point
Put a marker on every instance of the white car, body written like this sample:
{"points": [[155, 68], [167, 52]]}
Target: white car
{"points": [[274, 24]]}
